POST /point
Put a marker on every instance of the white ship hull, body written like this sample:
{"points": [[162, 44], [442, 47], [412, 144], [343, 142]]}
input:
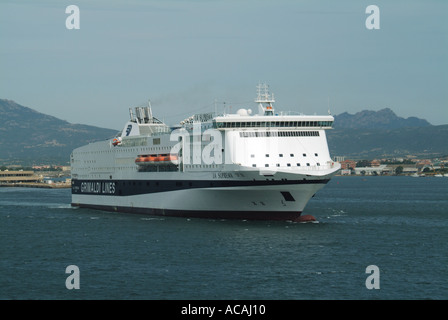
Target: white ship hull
{"points": [[271, 202], [263, 166]]}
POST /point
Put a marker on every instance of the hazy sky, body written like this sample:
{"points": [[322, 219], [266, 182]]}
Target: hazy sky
{"points": [[185, 54]]}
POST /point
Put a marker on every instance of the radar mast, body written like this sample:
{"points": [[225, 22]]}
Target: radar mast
{"points": [[264, 100]]}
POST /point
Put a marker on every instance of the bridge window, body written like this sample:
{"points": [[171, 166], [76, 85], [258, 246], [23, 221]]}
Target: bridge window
{"points": [[268, 124]]}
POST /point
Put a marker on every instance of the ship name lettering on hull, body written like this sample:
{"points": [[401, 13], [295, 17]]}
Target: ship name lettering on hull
{"points": [[227, 175], [222, 175], [98, 187]]}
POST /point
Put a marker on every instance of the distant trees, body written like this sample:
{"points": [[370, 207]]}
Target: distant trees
{"points": [[393, 161], [363, 163]]}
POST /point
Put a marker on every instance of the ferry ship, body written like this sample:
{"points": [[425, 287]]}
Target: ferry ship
{"points": [[260, 165]]}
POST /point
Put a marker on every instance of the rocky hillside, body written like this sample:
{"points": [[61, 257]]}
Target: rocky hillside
{"points": [[382, 119], [29, 137], [377, 134]]}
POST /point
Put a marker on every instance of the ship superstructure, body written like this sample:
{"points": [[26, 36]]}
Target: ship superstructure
{"points": [[248, 165]]}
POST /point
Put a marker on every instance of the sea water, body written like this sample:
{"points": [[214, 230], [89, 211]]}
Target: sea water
{"points": [[397, 224]]}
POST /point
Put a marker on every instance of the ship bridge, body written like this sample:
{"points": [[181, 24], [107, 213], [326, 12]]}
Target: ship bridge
{"points": [[299, 122], [267, 118]]}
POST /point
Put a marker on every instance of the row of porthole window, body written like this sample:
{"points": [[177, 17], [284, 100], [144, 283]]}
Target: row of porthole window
{"points": [[288, 165], [281, 155], [195, 166]]}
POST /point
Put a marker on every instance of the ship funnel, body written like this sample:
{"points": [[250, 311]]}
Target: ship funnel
{"points": [[131, 115], [140, 115]]}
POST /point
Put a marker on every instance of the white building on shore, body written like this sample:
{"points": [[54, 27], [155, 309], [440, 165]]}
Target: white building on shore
{"points": [[378, 170]]}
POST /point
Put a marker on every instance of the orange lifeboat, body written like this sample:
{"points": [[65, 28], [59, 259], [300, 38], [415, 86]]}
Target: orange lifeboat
{"points": [[116, 141], [144, 160], [139, 159], [167, 159], [160, 158], [153, 159]]}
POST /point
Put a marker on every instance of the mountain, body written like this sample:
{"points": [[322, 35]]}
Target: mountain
{"points": [[423, 142], [382, 119], [29, 137], [382, 134]]}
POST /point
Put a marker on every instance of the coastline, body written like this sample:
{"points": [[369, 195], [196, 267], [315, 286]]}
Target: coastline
{"points": [[38, 185], [62, 185]]}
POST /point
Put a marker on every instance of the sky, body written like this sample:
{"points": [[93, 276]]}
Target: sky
{"points": [[193, 56]]}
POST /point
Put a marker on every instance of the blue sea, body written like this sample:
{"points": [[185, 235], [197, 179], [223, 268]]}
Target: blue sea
{"points": [[397, 224]]}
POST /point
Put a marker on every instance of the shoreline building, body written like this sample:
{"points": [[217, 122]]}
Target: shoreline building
{"points": [[19, 176], [378, 170], [347, 167]]}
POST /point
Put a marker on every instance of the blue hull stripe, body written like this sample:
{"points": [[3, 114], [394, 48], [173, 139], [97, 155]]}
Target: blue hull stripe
{"points": [[136, 187]]}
